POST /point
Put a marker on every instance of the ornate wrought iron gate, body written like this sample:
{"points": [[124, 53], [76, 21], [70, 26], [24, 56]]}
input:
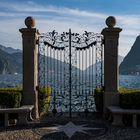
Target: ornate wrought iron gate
{"points": [[72, 66]]}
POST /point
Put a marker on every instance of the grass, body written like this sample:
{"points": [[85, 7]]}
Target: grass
{"points": [[125, 90]]}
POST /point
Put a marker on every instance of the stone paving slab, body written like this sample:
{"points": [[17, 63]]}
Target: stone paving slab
{"points": [[43, 132]]}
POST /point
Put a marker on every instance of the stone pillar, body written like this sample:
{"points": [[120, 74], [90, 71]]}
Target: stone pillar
{"points": [[111, 39], [30, 65]]}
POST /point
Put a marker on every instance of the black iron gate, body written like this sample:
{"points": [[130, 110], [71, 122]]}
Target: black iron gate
{"points": [[72, 66]]}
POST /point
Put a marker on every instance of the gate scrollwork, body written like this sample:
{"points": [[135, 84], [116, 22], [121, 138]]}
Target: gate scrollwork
{"points": [[72, 65]]}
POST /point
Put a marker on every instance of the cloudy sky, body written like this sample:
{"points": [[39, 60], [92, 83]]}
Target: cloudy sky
{"points": [[79, 15]]}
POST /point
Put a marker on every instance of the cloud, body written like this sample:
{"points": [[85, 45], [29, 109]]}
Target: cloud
{"points": [[9, 33], [32, 7], [50, 17]]}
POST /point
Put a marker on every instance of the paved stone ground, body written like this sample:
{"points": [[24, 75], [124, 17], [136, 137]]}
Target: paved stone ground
{"points": [[44, 131], [37, 133]]}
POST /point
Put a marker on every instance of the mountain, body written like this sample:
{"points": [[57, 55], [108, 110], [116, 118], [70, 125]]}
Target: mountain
{"points": [[92, 67], [9, 49], [131, 63], [9, 63], [54, 65], [10, 60], [120, 59]]}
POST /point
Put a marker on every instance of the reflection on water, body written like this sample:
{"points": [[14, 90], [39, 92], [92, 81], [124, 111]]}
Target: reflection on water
{"points": [[130, 81], [126, 81], [8, 80]]}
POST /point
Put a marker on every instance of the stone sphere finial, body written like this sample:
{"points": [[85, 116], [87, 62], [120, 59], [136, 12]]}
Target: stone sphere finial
{"points": [[30, 22], [111, 21]]}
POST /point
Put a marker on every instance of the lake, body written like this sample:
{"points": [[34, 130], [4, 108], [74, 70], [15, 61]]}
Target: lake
{"points": [[126, 81], [129, 81]]}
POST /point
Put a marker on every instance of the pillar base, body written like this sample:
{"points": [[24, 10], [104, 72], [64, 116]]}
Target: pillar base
{"points": [[31, 98], [109, 99]]}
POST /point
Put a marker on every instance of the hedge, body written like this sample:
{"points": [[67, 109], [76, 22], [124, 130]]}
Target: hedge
{"points": [[129, 99], [10, 97], [98, 96], [44, 99]]}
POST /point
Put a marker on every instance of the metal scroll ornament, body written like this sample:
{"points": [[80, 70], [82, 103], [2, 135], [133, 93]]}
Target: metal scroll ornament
{"points": [[72, 65]]}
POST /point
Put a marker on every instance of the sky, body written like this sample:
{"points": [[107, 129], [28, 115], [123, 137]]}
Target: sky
{"points": [[60, 15]]}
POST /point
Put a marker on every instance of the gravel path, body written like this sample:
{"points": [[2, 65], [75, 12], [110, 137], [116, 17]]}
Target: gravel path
{"points": [[43, 132]]}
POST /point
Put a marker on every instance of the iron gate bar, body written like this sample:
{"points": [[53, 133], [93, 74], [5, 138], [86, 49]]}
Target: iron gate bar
{"points": [[64, 73], [47, 80], [102, 48], [70, 71], [82, 72], [57, 74], [89, 71], [92, 60]]}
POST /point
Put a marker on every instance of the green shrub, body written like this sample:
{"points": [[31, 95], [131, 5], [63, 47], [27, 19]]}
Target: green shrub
{"points": [[44, 99], [10, 97], [129, 98], [98, 96]]}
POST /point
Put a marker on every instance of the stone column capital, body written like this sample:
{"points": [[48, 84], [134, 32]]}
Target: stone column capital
{"points": [[109, 32], [29, 31]]}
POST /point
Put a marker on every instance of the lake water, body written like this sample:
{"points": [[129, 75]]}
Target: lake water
{"points": [[126, 81], [129, 81], [78, 102]]}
